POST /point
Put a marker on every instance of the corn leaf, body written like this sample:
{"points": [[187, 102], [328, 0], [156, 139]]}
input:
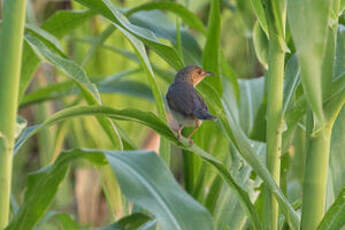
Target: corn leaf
{"points": [[211, 57], [310, 42], [334, 217], [150, 120], [109, 11]]}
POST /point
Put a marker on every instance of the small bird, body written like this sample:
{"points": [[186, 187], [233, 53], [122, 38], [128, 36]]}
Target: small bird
{"points": [[185, 104]]}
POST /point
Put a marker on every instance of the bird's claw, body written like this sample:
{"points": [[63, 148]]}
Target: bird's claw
{"points": [[191, 142]]}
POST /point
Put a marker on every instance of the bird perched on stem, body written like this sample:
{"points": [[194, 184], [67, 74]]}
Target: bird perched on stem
{"points": [[185, 104]]}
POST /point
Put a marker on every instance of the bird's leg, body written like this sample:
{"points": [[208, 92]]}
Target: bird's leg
{"points": [[179, 130], [197, 125]]}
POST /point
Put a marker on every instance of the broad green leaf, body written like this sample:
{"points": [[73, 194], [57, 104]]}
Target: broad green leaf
{"points": [[339, 65], [78, 75], [187, 16], [337, 157], [109, 11], [157, 191], [65, 220], [150, 120], [328, 64], [310, 42], [62, 89], [64, 21], [334, 217], [230, 74], [70, 68], [163, 27], [291, 81], [42, 187], [159, 24], [240, 140], [45, 37], [252, 93], [260, 15], [58, 25], [210, 56], [277, 16], [260, 45], [227, 204], [129, 222], [141, 53], [109, 85], [100, 39], [247, 152], [21, 123], [152, 225]]}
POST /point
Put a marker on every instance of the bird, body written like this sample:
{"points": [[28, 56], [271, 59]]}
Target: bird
{"points": [[184, 102]]}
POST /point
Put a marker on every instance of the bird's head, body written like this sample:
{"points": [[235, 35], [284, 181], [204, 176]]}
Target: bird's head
{"points": [[192, 74]]}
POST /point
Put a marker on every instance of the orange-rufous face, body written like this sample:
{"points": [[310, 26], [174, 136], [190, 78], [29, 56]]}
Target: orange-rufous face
{"points": [[198, 75]]}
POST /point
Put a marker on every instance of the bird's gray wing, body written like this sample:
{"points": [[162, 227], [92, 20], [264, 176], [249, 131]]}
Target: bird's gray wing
{"points": [[200, 108], [180, 99]]}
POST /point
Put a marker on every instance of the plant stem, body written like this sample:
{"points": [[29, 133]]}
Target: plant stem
{"points": [[274, 126], [11, 43], [315, 178]]}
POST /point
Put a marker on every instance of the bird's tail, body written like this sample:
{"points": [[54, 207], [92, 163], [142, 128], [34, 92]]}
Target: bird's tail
{"points": [[207, 116]]}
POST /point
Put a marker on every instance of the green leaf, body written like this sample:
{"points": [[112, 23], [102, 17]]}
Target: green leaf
{"points": [[260, 15], [58, 25], [45, 37], [70, 68], [337, 157], [65, 220], [210, 57], [187, 16], [141, 53], [157, 191], [163, 27], [245, 148], [156, 124], [291, 82], [129, 222], [109, 11], [334, 217], [110, 85], [78, 75], [235, 135], [42, 187], [230, 74], [252, 93], [227, 204], [260, 45], [21, 123], [339, 65], [310, 41]]}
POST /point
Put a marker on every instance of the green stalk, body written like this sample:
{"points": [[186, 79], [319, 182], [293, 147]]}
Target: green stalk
{"points": [[315, 178], [11, 43], [274, 126], [318, 145]]}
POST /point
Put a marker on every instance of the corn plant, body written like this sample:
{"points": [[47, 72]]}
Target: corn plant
{"points": [[94, 77]]}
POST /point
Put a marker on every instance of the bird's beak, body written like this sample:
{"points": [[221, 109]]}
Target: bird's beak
{"points": [[209, 74]]}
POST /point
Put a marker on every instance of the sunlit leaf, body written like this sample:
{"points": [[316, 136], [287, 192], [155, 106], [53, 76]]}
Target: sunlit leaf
{"points": [[108, 10], [59, 24], [334, 217], [156, 124], [188, 17], [211, 57]]}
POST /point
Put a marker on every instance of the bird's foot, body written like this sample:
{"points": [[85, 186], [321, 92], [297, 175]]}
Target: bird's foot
{"points": [[191, 142]]}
